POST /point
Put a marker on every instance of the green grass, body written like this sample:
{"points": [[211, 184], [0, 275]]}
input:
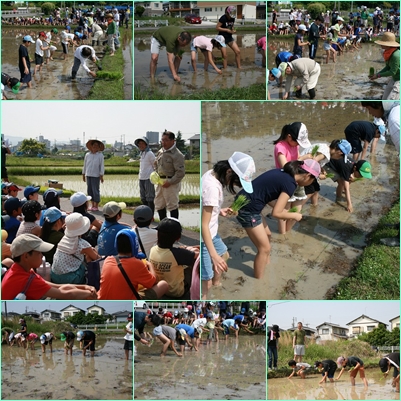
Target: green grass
{"points": [[209, 30], [252, 92], [377, 271]]}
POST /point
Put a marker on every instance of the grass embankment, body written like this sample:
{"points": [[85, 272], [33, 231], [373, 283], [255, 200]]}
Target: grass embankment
{"points": [[315, 352], [252, 92], [377, 270]]}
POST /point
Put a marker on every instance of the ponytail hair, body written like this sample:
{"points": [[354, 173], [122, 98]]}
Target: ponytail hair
{"points": [[294, 167], [220, 170], [289, 129]]}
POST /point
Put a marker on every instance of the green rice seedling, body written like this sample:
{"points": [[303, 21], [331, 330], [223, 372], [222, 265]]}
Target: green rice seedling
{"points": [[109, 75], [239, 203], [294, 210], [315, 150], [155, 179], [330, 175], [371, 71]]}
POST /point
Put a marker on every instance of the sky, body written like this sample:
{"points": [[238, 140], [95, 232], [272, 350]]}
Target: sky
{"points": [[39, 306], [66, 120], [313, 313]]}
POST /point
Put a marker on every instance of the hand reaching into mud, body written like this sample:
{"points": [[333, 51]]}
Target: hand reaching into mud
{"points": [[220, 265]]}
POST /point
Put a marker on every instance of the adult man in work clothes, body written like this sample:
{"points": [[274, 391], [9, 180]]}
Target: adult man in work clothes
{"points": [[306, 73], [170, 165], [298, 342], [174, 38]]}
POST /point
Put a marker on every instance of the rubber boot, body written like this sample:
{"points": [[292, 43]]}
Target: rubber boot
{"points": [[312, 93], [298, 93], [93, 42], [174, 213], [162, 214]]}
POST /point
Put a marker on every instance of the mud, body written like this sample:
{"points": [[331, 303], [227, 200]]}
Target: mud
{"points": [[54, 82], [309, 389], [321, 249], [232, 369], [28, 374], [250, 73], [345, 79]]}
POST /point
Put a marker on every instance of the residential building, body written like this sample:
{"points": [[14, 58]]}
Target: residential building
{"points": [[215, 9], [181, 8], [49, 314], [363, 324], [69, 311], [96, 309], [152, 8], [308, 330], [121, 316], [153, 137], [394, 322], [330, 331]]}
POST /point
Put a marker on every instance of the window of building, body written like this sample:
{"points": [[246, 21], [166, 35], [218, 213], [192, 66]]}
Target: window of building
{"points": [[215, 9], [66, 313], [156, 5], [325, 331], [356, 330], [208, 9], [370, 328]]}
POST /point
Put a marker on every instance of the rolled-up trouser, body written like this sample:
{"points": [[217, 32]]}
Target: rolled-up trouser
{"points": [[167, 197], [313, 78], [97, 36], [392, 90], [110, 42]]}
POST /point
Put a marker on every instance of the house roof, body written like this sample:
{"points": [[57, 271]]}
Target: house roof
{"points": [[122, 313], [304, 328], [71, 306], [196, 137], [397, 317], [95, 306], [332, 324], [375, 320], [52, 311]]}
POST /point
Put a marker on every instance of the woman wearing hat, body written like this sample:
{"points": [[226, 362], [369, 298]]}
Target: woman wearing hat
{"points": [[206, 46], [69, 260], [93, 170], [391, 55]]}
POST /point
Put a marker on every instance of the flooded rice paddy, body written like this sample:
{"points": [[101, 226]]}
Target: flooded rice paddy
{"points": [[54, 82], [33, 375], [321, 249], [309, 389], [251, 72], [232, 369], [345, 79]]}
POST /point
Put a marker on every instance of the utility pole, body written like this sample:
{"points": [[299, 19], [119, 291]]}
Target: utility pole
{"points": [[83, 142]]}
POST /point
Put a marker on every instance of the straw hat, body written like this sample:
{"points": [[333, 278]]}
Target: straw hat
{"points": [[388, 39], [90, 143]]}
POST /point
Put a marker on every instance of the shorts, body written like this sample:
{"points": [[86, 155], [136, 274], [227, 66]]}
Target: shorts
{"points": [[155, 46], [355, 143], [330, 373], [361, 370], [48, 342], [207, 272], [92, 346], [326, 46], [229, 40], [149, 294], [69, 343], [178, 338], [65, 48], [312, 188], [226, 330], [299, 350], [128, 345], [248, 219], [38, 59], [211, 335]]}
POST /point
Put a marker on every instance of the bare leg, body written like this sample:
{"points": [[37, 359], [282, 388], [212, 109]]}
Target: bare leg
{"points": [[237, 52], [153, 64]]}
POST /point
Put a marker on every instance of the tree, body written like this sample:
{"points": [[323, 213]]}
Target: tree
{"points": [[139, 10], [180, 143], [315, 9], [48, 8], [31, 147]]}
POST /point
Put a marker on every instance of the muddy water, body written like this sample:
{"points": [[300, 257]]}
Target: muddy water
{"points": [[126, 42], [232, 369], [251, 72], [321, 249], [54, 82], [28, 374], [309, 389], [345, 79]]}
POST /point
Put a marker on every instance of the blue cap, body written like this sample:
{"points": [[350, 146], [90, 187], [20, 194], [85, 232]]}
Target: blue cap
{"points": [[344, 146], [30, 190], [28, 38], [12, 204], [51, 215], [133, 240]]}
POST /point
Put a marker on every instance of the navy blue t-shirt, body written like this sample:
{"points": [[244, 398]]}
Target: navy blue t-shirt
{"points": [[268, 187], [226, 24], [344, 169], [364, 130], [23, 54], [298, 49]]}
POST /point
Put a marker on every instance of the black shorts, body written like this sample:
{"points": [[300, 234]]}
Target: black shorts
{"points": [[312, 188], [128, 345], [38, 59], [92, 346], [65, 48], [179, 339]]}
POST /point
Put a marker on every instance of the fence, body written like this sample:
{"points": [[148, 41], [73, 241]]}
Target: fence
{"points": [[387, 348], [106, 326], [154, 23]]}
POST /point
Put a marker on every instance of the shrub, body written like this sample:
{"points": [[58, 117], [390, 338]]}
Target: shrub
{"points": [[48, 8], [315, 9], [139, 10]]}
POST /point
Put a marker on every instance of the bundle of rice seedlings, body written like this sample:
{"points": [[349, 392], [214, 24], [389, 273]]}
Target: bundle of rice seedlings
{"points": [[315, 150], [239, 202], [330, 175], [155, 179], [109, 75], [294, 210]]}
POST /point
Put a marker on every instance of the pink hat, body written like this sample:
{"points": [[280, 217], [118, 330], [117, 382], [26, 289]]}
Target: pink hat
{"points": [[312, 167]]}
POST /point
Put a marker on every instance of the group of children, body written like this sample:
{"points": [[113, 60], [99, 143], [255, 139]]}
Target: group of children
{"points": [[286, 189]]}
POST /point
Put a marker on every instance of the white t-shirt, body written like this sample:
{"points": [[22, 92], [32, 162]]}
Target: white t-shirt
{"points": [[38, 49], [203, 43], [129, 327], [146, 165], [393, 126], [199, 322], [78, 55], [65, 36], [148, 237], [212, 195]]}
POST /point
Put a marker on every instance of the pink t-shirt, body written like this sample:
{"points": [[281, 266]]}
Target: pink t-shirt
{"points": [[203, 43], [262, 43], [212, 195], [290, 152]]}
